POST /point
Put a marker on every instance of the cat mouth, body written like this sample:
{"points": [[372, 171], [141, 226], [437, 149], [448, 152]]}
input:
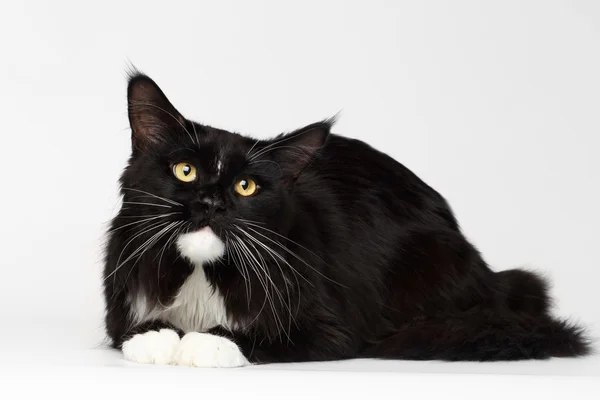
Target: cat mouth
{"points": [[209, 228], [200, 228], [199, 223]]}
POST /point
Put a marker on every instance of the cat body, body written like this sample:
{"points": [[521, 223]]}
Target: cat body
{"points": [[307, 247]]}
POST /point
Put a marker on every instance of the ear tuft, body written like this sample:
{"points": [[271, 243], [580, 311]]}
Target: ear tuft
{"points": [[131, 71], [151, 115]]}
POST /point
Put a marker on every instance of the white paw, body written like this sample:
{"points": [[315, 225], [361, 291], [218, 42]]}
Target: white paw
{"points": [[152, 347], [205, 350]]}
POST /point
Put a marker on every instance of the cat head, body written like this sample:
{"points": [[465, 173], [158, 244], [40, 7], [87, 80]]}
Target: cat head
{"points": [[199, 184]]}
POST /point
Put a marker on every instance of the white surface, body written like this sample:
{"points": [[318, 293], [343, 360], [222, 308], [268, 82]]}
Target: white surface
{"points": [[72, 363], [495, 104]]}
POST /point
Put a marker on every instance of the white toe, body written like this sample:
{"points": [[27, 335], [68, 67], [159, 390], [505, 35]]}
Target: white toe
{"points": [[152, 347], [205, 350]]}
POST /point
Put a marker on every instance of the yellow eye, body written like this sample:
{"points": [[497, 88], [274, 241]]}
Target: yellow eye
{"points": [[185, 172], [246, 187]]}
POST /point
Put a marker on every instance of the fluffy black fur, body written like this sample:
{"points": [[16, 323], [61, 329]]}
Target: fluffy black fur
{"points": [[372, 260]]}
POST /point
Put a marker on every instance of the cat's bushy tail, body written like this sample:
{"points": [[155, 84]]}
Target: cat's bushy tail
{"points": [[484, 336], [519, 327]]}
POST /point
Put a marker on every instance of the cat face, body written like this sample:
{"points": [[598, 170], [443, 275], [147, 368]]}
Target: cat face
{"points": [[197, 185]]}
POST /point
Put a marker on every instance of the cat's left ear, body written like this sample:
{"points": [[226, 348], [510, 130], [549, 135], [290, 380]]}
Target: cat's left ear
{"points": [[295, 150], [151, 115]]}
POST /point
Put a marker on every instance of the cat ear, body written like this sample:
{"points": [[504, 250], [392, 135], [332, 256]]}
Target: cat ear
{"points": [[295, 150], [152, 117]]}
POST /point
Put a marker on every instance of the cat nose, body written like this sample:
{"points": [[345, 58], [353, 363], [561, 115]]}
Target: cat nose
{"points": [[213, 204], [205, 208]]}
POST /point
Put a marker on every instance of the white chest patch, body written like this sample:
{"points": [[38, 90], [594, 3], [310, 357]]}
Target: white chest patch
{"points": [[198, 306]]}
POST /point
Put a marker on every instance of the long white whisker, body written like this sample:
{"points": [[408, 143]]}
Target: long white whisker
{"points": [[271, 252], [147, 245], [256, 225], [296, 274], [242, 267], [245, 252], [143, 245], [252, 148], [147, 204], [276, 254], [265, 161], [263, 266], [167, 244], [195, 133], [265, 286], [297, 257], [276, 143], [250, 221], [153, 195], [148, 229], [143, 216], [143, 220], [258, 313], [297, 150], [240, 254], [150, 242]]}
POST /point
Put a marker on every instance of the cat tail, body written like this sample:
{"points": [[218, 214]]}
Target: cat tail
{"points": [[484, 335]]}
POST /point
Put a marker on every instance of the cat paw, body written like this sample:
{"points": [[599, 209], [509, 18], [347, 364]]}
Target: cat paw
{"points": [[205, 350], [152, 347]]}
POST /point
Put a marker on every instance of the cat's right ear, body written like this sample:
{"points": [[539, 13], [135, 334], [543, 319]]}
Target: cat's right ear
{"points": [[152, 117]]}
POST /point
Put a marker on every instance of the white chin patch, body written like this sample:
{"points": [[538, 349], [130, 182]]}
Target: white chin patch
{"points": [[201, 246]]}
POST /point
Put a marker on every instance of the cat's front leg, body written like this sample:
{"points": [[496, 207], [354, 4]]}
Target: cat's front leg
{"points": [[151, 343], [207, 350]]}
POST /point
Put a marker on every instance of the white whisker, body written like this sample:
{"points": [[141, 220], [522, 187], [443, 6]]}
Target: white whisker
{"points": [[148, 229], [297, 150], [147, 245], [249, 255], [276, 143], [297, 257], [167, 244], [251, 148], [143, 221], [270, 250], [147, 204], [153, 195], [273, 253], [255, 224], [195, 133], [242, 267]]}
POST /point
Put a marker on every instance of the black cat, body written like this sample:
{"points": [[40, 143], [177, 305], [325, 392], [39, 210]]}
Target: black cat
{"points": [[306, 247]]}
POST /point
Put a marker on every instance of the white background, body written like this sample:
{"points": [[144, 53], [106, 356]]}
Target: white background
{"points": [[493, 103]]}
